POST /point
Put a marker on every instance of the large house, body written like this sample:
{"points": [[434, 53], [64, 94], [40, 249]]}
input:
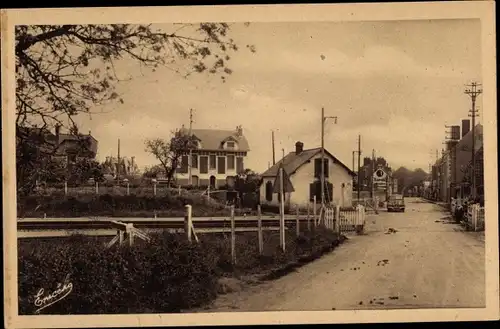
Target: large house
{"points": [[63, 146], [218, 157], [304, 169]]}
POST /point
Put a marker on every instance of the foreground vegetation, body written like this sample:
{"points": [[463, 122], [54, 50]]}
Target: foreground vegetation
{"points": [[165, 275]]}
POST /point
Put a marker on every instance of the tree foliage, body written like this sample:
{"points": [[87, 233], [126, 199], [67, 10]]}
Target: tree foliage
{"points": [[85, 169], [65, 70], [408, 178], [169, 153]]}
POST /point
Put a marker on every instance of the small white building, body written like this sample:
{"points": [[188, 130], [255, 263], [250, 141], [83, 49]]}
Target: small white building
{"points": [[304, 170]]}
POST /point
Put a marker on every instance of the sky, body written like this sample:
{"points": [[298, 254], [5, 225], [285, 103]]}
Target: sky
{"points": [[395, 83]]}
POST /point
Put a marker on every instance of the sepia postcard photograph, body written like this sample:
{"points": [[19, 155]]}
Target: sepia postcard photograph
{"points": [[244, 164]]}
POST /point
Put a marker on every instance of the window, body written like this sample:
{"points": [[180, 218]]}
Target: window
{"points": [[184, 164], [239, 165], [315, 190], [221, 165], [204, 165], [194, 160], [230, 162], [230, 145], [269, 191], [317, 168], [212, 161]]}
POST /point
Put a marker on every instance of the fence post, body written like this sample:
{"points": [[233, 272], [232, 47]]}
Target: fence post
{"points": [[65, 188], [308, 219], [337, 217], [96, 187], [314, 211], [297, 223], [187, 222], [179, 189], [120, 236], [474, 216], [259, 228], [130, 234], [233, 237], [128, 188]]}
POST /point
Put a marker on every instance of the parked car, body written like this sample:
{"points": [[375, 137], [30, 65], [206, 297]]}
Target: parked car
{"points": [[396, 202]]}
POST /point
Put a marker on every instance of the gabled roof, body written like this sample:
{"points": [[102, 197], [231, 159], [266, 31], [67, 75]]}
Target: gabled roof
{"points": [[292, 162], [212, 139]]}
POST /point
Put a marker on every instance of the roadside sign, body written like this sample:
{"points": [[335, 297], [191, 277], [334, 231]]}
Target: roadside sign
{"points": [[287, 183], [379, 174]]}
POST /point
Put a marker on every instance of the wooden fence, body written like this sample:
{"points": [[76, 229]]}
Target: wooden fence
{"points": [[332, 218], [474, 217]]}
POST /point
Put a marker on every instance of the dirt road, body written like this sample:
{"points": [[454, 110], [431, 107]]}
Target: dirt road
{"points": [[428, 262]]}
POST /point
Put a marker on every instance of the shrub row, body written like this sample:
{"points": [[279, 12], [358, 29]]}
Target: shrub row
{"points": [[166, 275], [95, 205]]}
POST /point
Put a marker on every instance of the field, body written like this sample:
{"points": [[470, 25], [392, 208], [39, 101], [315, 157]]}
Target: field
{"points": [[166, 275]]}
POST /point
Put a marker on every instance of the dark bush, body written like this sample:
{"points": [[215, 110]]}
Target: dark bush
{"points": [[167, 275]]}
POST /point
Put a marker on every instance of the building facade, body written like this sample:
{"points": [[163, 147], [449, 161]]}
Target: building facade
{"points": [[219, 156], [304, 169], [451, 174]]}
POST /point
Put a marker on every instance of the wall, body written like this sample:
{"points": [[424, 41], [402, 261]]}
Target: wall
{"points": [[305, 176]]}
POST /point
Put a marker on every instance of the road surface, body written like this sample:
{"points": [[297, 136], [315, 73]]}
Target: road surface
{"points": [[429, 262]]}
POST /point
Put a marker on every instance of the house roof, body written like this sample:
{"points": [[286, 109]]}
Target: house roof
{"points": [[293, 161], [52, 140], [212, 139]]}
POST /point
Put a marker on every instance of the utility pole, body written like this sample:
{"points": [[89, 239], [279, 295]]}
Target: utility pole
{"points": [[372, 190], [118, 165], [282, 154], [359, 166], [272, 138], [323, 120], [190, 160], [473, 91]]}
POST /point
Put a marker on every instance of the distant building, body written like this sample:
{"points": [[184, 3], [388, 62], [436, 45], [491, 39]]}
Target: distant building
{"points": [[63, 146], [219, 156], [304, 170], [452, 172], [125, 166]]}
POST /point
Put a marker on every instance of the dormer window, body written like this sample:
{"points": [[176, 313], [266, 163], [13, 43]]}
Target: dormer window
{"points": [[230, 144]]}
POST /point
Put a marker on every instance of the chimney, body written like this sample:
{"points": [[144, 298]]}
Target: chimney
{"points": [[299, 147], [465, 127], [239, 131]]}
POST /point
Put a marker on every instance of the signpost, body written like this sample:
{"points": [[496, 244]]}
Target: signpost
{"points": [[282, 185]]}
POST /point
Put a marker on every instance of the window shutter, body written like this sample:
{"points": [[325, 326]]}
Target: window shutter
{"points": [[326, 168], [311, 192], [317, 168], [329, 192], [269, 191]]}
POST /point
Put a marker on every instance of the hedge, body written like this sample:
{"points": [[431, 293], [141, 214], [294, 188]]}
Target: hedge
{"points": [[116, 205], [167, 275]]}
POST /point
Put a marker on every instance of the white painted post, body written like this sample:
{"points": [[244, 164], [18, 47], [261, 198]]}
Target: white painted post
{"points": [[154, 188], [259, 228], [179, 189], [297, 224], [130, 234], [308, 219], [121, 236], [188, 222], [208, 191], [128, 188], [474, 216], [233, 237], [96, 187], [314, 210], [65, 188], [337, 217]]}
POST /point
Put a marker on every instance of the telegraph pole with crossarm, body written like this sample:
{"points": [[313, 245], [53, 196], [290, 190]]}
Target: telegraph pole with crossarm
{"points": [[473, 90]]}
